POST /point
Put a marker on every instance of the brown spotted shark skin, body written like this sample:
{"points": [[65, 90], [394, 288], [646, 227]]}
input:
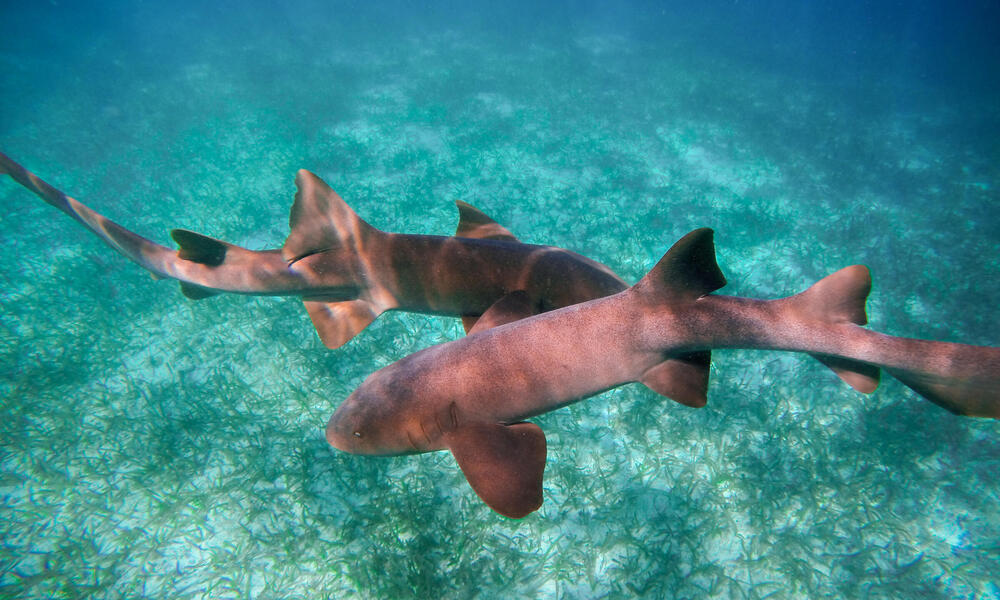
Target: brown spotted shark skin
{"points": [[472, 395], [346, 271]]}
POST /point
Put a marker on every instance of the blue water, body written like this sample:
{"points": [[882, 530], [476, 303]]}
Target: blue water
{"points": [[157, 447]]}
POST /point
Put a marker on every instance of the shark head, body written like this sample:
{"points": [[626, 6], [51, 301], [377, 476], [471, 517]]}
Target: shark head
{"points": [[366, 423]]}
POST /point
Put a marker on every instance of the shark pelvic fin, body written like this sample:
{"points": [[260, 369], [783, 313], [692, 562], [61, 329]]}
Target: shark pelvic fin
{"points": [[686, 272], [840, 298], [338, 322], [504, 464], [474, 223], [683, 379], [320, 220], [509, 308]]}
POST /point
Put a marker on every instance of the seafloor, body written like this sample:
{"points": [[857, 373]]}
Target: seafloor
{"points": [[160, 447]]}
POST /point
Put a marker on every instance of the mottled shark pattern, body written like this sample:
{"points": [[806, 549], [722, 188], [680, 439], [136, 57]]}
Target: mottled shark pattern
{"points": [[348, 272], [471, 396]]}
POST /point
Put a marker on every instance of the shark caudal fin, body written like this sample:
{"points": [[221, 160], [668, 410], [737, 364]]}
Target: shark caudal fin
{"points": [[841, 298], [153, 257], [961, 378], [686, 272]]}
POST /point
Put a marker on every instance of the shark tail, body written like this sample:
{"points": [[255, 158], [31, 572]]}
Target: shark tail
{"points": [[962, 378], [197, 265], [150, 255]]}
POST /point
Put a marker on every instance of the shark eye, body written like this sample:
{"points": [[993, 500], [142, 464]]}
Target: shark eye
{"points": [[357, 434]]}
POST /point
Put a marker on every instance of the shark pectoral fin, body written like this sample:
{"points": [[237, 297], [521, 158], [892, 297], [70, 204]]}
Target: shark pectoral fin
{"points": [[683, 378], [509, 308], [338, 322], [473, 223], [320, 220], [860, 376], [503, 464]]}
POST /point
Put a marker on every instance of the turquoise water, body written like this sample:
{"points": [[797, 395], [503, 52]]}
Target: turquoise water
{"points": [[157, 447]]}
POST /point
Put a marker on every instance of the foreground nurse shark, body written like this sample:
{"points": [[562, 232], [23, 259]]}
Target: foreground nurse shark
{"points": [[471, 395], [346, 271]]}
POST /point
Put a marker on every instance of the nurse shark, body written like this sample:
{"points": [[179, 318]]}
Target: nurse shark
{"points": [[472, 395], [348, 272]]}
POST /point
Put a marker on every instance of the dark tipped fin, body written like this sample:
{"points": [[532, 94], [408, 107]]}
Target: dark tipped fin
{"points": [[196, 292], [683, 379], [511, 307], [687, 271], [199, 248], [320, 220], [504, 464], [338, 322], [474, 223]]}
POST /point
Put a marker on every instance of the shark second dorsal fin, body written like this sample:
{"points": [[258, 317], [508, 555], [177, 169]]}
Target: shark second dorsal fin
{"points": [[683, 379], [199, 248], [338, 322], [841, 298], [686, 272], [320, 220], [511, 307], [473, 223], [504, 464]]}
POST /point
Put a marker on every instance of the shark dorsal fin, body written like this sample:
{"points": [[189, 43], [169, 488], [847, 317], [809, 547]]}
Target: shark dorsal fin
{"points": [[509, 308], [687, 271], [320, 220], [199, 248], [683, 379], [338, 322], [474, 223], [504, 464]]}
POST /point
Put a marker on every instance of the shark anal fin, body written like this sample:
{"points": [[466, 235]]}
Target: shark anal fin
{"points": [[338, 322], [199, 248], [509, 308], [863, 377], [196, 292], [504, 464], [683, 379], [473, 223]]}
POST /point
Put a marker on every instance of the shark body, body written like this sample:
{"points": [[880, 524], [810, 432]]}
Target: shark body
{"points": [[471, 396], [348, 272]]}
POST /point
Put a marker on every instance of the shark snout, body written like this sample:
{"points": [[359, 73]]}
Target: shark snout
{"points": [[340, 434]]}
